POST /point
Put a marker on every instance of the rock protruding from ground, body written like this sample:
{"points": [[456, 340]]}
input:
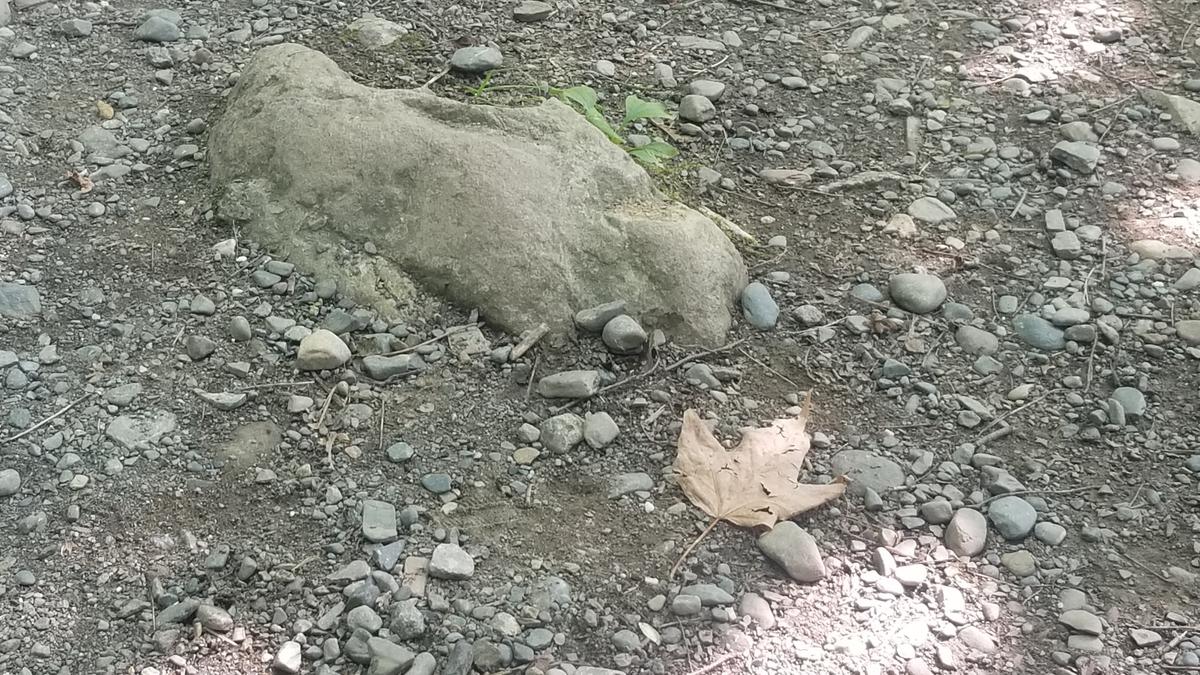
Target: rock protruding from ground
{"points": [[528, 214]]}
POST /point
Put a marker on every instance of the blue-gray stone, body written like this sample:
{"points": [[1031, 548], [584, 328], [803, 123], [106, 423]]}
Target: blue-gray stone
{"points": [[437, 483], [1012, 516], [1038, 333], [866, 293], [476, 59], [400, 452], [157, 29], [759, 307], [917, 293], [18, 301], [1132, 400]]}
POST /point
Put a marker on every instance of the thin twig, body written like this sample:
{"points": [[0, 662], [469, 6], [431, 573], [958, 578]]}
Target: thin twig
{"points": [[1015, 493], [1184, 628], [646, 373], [435, 78], [1018, 409], [443, 336], [708, 352], [1020, 203], [532, 377], [302, 563], [772, 5], [605, 389], [747, 197], [994, 436], [716, 664], [683, 556], [150, 595], [382, 417], [275, 385], [709, 67], [325, 405], [776, 373], [1141, 564], [46, 421]]}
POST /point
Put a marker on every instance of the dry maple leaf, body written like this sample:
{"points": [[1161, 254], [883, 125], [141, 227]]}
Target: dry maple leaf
{"points": [[756, 483]]}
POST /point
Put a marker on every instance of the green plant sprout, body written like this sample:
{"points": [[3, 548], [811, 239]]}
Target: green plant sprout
{"points": [[585, 99]]}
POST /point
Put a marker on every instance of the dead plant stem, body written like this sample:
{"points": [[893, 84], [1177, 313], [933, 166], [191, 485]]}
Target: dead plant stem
{"points": [[683, 556]]}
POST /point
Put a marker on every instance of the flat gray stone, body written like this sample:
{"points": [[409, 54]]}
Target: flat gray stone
{"points": [[213, 618], [917, 293], [130, 432], [599, 429], [375, 33], [696, 42], [867, 470], [624, 335], [570, 384], [966, 533], [75, 27], [931, 210], [976, 341], [400, 452], [19, 301], [710, 595], [157, 29], [384, 367], [406, 621], [1021, 563], [288, 658], [379, 521], [1081, 621], [1039, 333], [795, 550], [476, 59], [530, 11], [1012, 516], [626, 483], [10, 482], [1132, 400], [594, 319], [1051, 534], [561, 432], [759, 308], [450, 561], [321, 350], [1184, 111], [223, 400], [1066, 245], [1188, 170], [697, 109], [1079, 156], [709, 89], [179, 612]]}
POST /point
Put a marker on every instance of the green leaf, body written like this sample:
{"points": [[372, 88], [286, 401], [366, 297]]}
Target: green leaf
{"points": [[483, 85], [598, 120], [637, 109], [653, 153], [582, 95]]}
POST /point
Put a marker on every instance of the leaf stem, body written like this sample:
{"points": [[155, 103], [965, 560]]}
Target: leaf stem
{"points": [[686, 551]]}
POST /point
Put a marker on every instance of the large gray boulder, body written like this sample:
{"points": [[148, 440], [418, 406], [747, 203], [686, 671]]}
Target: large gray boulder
{"points": [[529, 214]]}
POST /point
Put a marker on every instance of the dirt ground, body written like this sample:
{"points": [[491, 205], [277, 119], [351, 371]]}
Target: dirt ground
{"points": [[107, 557]]}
